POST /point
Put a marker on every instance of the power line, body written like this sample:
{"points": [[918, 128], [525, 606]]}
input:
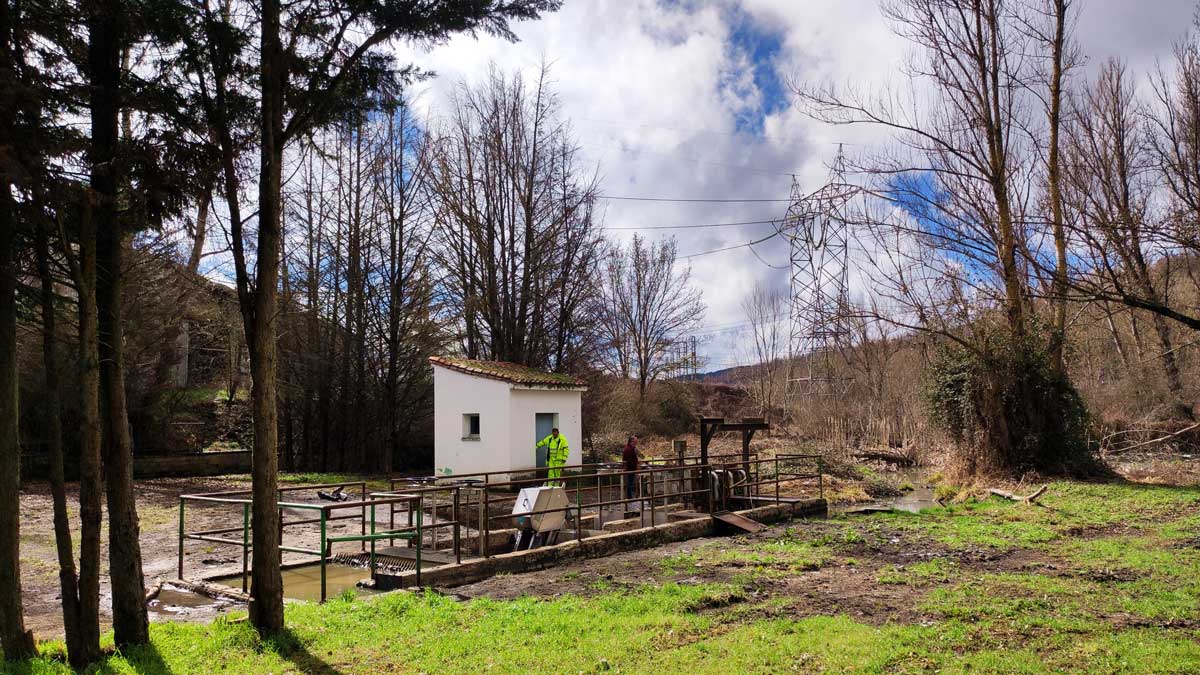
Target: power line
{"points": [[763, 261], [730, 248], [688, 227], [693, 160], [693, 130], [706, 201]]}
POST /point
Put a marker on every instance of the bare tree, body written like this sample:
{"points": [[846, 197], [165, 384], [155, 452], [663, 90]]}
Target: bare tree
{"points": [[362, 295], [953, 233], [1111, 187], [651, 304], [514, 211], [873, 345], [767, 310], [1049, 26], [960, 168], [1166, 162]]}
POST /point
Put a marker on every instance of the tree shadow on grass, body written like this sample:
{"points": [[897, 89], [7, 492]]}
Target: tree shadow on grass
{"points": [[142, 659], [292, 648]]}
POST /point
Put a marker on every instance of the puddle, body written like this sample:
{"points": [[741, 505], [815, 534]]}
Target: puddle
{"points": [[304, 582], [173, 605], [912, 501]]}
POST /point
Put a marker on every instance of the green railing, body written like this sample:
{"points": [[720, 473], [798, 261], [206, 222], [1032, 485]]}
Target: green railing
{"points": [[325, 512]]}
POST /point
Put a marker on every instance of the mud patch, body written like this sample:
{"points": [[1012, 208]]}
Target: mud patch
{"points": [[718, 601], [1109, 576]]}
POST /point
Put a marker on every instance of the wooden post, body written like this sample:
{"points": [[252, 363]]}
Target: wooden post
{"points": [[680, 447]]}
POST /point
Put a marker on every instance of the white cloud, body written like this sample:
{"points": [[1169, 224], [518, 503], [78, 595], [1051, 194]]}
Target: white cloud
{"points": [[654, 91]]}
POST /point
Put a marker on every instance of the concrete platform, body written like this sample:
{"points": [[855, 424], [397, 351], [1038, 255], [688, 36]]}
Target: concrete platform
{"points": [[470, 571]]}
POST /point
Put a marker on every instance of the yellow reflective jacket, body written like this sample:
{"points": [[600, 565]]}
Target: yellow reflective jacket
{"points": [[556, 449]]}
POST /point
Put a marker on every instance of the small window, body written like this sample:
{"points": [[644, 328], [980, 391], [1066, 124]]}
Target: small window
{"points": [[471, 427]]}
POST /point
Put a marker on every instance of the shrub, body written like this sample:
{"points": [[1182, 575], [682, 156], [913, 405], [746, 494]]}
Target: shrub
{"points": [[1006, 408], [670, 409]]}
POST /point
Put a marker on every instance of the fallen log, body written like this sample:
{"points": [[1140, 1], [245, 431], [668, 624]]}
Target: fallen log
{"points": [[210, 589], [889, 457], [1030, 498]]}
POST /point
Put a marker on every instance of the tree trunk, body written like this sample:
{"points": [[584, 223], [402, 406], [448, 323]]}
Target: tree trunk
{"points": [[1053, 175], [1116, 335], [52, 412], [16, 640], [1161, 331], [90, 480], [130, 622], [266, 591], [105, 33], [1170, 364], [201, 231]]}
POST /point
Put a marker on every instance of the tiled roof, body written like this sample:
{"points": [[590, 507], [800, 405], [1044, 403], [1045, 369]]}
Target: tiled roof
{"points": [[508, 372]]}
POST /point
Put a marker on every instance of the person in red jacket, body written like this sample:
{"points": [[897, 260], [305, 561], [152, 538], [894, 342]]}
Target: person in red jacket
{"points": [[630, 462]]}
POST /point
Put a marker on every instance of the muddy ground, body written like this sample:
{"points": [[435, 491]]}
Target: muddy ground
{"points": [[846, 582], [158, 512]]}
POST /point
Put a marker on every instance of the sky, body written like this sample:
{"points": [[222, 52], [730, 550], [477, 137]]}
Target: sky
{"points": [[692, 100]]}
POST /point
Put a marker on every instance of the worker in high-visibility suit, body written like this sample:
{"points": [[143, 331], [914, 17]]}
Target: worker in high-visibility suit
{"points": [[556, 456]]}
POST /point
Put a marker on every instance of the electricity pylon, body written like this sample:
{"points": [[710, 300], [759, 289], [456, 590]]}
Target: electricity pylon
{"points": [[816, 229]]}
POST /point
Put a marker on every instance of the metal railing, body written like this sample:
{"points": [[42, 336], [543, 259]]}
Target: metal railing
{"points": [[480, 504], [470, 501], [326, 515]]}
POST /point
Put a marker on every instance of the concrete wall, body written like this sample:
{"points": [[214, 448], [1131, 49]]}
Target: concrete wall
{"points": [[506, 423], [525, 404]]}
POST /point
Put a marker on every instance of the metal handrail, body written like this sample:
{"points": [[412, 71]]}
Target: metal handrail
{"points": [[326, 541], [714, 482]]}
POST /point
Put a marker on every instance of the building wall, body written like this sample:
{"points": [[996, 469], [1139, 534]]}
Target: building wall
{"points": [[454, 395], [506, 423], [524, 406]]}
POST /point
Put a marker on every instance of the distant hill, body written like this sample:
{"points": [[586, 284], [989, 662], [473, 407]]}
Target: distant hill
{"points": [[734, 375]]}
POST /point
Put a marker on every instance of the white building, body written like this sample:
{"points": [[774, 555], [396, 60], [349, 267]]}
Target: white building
{"points": [[489, 415]]}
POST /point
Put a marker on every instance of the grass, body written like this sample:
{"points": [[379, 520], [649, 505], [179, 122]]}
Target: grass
{"points": [[662, 629], [325, 478], [788, 555], [926, 572], [199, 396], [1110, 587]]}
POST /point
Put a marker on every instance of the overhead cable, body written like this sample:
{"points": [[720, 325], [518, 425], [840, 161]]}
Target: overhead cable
{"points": [[697, 200], [689, 227], [730, 248]]}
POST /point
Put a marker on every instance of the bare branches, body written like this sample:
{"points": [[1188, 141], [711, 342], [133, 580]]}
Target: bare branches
{"points": [[767, 311], [517, 237], [647, 304], [952, 193]]}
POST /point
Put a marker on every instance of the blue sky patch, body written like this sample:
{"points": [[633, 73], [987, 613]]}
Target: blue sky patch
{"points": [[762, 48]]}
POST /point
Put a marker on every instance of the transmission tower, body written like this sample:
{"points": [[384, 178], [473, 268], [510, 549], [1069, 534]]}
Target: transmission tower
{"points": [[816, 229]]}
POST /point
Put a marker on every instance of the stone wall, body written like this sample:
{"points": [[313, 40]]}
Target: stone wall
{"points": [[157, 466], [196, 464]]}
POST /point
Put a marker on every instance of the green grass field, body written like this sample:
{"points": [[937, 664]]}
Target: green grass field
{"points": [[1104, 578]]}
